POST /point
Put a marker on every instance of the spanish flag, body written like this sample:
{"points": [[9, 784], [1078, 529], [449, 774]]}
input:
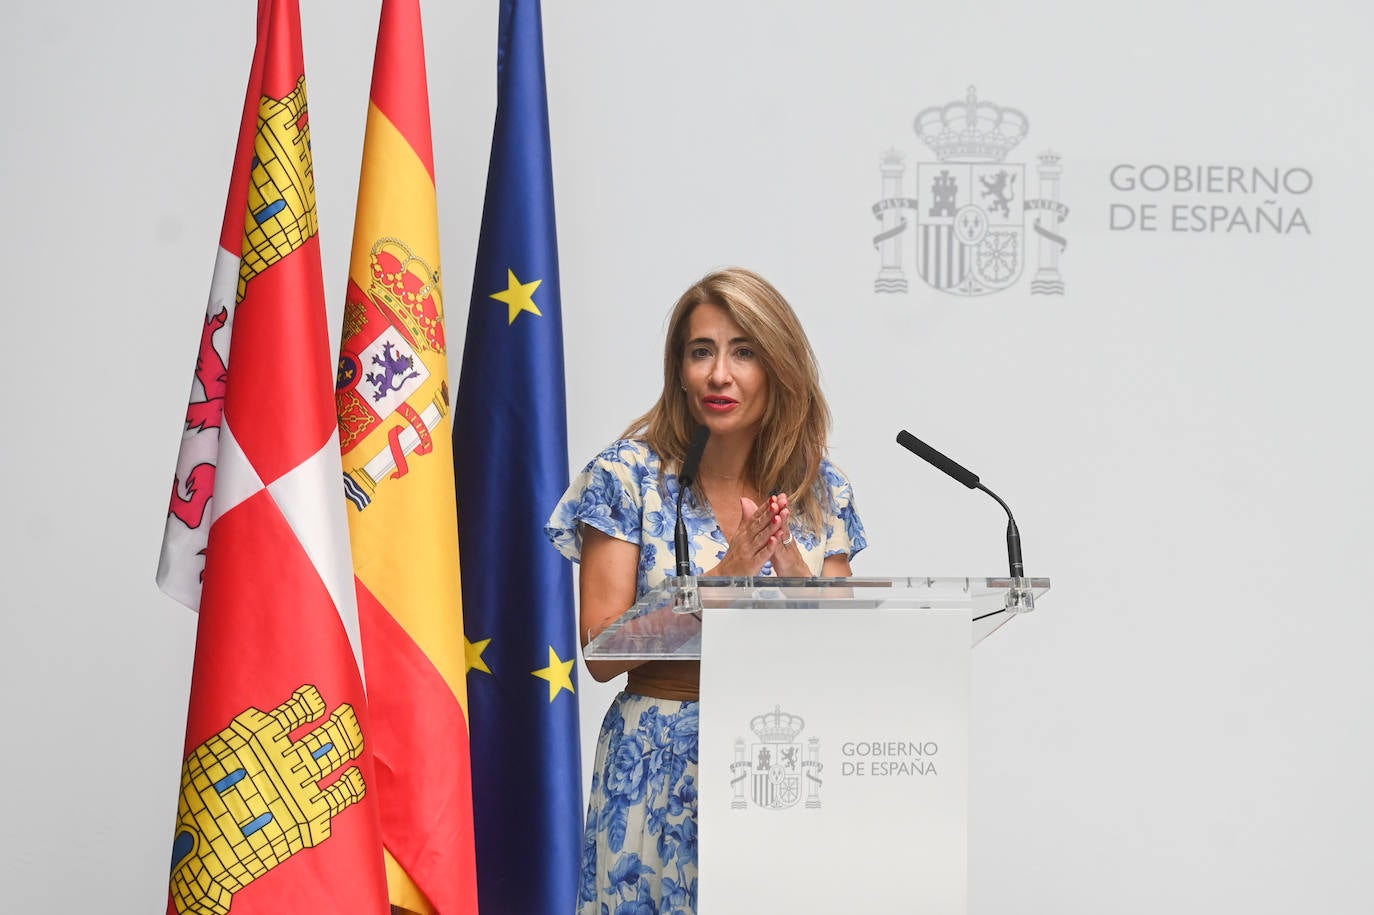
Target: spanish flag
{"points": [[392, 396]]}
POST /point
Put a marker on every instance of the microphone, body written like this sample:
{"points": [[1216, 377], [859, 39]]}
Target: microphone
{"points": [[684, 479], [969, 479]]}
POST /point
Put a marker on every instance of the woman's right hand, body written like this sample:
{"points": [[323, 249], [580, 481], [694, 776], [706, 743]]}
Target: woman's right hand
{"points": [[754, 542]]}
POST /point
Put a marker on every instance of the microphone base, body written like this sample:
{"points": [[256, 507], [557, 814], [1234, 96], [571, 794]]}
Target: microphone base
{"points": [[1020, 597], [687, 599]]}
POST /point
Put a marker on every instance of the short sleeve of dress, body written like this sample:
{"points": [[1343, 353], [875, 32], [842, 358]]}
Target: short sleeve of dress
{"points": [[606, 495], [844, 530]]}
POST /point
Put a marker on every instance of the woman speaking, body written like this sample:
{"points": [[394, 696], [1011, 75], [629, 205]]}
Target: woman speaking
{"points": [[765, 501]]}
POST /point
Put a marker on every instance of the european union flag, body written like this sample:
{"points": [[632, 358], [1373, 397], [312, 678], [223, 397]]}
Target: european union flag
{"points": [[510, 450]]}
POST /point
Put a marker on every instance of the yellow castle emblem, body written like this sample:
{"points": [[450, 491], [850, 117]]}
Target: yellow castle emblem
{"points": [[281, 191], [251, 798]]}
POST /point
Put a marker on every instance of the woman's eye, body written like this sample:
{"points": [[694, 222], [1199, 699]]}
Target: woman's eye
{"points": [[699, 352], [744, 352]]}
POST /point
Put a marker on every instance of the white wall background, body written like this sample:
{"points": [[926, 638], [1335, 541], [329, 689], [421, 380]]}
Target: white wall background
{"points": [[1184, 435]]}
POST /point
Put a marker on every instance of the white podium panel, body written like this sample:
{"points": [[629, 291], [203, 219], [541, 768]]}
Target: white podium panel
{"points": [[834, 760]]}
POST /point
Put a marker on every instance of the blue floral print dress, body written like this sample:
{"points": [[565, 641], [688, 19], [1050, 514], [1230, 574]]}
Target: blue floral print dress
{"points": [[639, 851]]}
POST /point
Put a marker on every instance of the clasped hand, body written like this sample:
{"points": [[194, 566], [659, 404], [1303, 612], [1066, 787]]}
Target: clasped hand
{"points": [[762, 537]]}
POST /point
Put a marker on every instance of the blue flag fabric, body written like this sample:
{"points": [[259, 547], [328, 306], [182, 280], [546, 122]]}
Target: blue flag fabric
{"points": [[511, 467]]}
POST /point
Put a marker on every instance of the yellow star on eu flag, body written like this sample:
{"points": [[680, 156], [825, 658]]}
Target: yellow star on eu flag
{"points": [[519, 296], [558, 673], [472, 651]]}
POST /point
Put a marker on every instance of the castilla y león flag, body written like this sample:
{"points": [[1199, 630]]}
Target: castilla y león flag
{"points": [[277, 811], [394, 428]]}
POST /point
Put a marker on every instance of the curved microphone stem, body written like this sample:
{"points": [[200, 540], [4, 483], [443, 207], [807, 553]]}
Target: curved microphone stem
{"points": [[690, 464], [1018, 569], [968, 478], [687, 599], [684, 561]]}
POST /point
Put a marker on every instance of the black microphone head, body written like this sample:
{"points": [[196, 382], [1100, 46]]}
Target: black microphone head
{"points": [[695, 448], [930, 455]]}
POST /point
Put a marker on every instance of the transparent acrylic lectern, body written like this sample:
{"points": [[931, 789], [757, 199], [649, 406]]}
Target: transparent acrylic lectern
{"points": [[833, 738], [665, 624]]}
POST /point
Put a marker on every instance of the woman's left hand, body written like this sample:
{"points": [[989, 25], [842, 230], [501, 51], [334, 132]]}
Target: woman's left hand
{"points": [[787, 557]]}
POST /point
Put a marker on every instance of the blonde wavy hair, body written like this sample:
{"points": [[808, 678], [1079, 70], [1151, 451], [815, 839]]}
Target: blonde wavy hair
{"points": [[792, 439]]}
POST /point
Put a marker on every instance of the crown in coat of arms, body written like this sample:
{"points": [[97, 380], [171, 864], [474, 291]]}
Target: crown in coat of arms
{"points": [[407, 287], [777, 726], [971, 130]]}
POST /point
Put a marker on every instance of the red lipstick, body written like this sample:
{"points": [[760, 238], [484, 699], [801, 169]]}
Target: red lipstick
{"points": [[719, 404]]}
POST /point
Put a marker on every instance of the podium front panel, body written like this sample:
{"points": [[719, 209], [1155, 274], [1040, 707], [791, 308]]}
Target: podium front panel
{"points": [[834, 760]]}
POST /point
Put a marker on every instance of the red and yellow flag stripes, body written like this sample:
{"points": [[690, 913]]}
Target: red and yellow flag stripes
{"points": [[395, 436]]}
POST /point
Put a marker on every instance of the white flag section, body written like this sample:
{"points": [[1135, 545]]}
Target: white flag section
{"points": [[834, 761], [187, 533]]}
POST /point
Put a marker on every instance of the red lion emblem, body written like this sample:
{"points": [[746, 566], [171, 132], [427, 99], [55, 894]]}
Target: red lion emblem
{"points": [[213, 376]]}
